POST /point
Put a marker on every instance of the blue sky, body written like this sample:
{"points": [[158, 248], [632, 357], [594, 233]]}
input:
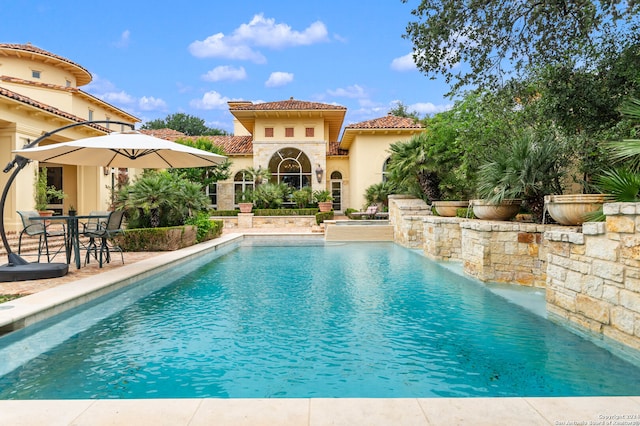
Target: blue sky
{"points": [[158, 58]]}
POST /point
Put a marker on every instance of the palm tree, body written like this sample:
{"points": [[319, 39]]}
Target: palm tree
{"points": [[530, 167], [623, 183], [412, 170], [258, 175], [629, 149]]}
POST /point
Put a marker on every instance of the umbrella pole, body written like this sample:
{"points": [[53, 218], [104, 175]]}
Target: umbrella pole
{"points": [[17, 268]]}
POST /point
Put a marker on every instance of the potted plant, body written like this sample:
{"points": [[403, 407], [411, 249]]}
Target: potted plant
{"points": [[520, 172], [245, 200], [44, 192], [448, 208], [323, 198]]}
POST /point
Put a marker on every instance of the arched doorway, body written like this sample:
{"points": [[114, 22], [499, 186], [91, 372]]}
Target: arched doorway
{"points": [[290, 166]]}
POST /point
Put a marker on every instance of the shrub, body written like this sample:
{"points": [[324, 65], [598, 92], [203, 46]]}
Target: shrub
{"points": [[321, 217], [207, 228], [302, 197], [285, 212], [157, 239], [465, 212]]}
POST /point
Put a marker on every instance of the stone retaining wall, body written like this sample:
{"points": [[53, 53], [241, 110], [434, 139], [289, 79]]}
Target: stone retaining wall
{"points": [[405, 215], [248, 220], [504, 252], [442, 238], [594, 276]]}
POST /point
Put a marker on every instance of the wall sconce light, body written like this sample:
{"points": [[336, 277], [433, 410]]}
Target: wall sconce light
{"points": [[319, 173], [106, 170]]}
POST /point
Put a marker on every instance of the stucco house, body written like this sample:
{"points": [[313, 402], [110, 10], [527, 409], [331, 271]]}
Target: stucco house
{"points": [[40, 92], [299, 142]]}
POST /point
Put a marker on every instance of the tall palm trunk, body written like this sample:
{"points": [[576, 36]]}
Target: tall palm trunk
{"points": [[429, 183]]}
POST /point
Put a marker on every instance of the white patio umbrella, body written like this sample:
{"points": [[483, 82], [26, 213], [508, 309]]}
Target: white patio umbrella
{"points": [[126, 149]]}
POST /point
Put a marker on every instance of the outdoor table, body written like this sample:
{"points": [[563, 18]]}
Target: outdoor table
{"points": [[72, 241]]}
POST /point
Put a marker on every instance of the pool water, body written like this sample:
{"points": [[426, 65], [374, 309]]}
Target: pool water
{"points": [[344, 320]]}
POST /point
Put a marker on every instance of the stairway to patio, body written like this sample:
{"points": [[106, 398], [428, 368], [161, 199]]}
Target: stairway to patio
{"points": [[30, 246]]}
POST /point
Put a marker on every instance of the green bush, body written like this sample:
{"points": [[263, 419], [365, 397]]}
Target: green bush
{"points": [[465, 212], [285, 212], [350, 210], [207, 228], [157, 239], [322, 216]]}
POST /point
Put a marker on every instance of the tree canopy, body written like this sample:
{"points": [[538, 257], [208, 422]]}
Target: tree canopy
{"points": [[185, 123], [482, 43]]}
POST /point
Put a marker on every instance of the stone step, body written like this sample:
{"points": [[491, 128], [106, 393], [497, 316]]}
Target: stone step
{"points": [[29, 244]]}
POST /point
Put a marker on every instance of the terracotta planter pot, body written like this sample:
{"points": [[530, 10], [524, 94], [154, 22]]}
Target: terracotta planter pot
{"points": [[571, 209], [506, 210], [449, 208], [325, 206], [245, 207]]}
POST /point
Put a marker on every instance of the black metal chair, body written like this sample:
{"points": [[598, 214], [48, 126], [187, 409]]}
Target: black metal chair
{"points": [[40, 229], [105, 232]]}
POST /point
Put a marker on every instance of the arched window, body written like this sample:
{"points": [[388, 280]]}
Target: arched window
{"points": [[241, 182], [384, 169], [290, 166]]}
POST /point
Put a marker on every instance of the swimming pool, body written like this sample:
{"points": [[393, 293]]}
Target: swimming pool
{"points": [[341, 320]]}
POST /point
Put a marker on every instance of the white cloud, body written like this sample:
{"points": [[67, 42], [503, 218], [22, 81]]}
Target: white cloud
{"points": [[278, 78], [259, 32], [225, 72], [120, 97], [403, 63], [151, 104], [355, 91], [124, 39], [265, 32], [211, 100], [428, 108], [216, 46]]}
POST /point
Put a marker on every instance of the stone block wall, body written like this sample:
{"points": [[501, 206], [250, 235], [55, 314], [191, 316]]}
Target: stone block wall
{"points": [[594, 276], [405, 215], [509, 252], [442, 238], [249, 220]]}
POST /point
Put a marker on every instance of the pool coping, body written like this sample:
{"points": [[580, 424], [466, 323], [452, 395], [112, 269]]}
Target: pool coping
{"points": [[312, 411]]}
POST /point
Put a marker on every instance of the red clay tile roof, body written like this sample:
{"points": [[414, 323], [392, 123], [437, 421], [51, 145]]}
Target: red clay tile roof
{"points": [[231, 145], [31, 102], [235, 145], [335, 150], [387, 122], [82, 74], [288, 105], [168, 134]]}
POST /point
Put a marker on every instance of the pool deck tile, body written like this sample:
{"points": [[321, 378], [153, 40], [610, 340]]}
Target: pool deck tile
{"points": [[303, 411], [325, 411]]}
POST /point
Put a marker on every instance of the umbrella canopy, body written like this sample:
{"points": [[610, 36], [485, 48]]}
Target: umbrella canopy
{"points": [[126, 149]]}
